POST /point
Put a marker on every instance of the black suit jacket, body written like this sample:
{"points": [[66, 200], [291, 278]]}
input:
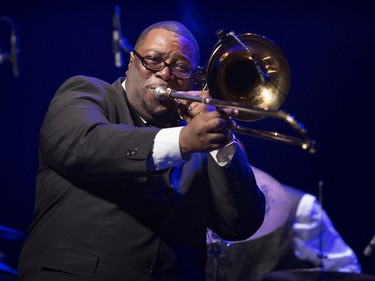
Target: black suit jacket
{"points": [[101, 215]]}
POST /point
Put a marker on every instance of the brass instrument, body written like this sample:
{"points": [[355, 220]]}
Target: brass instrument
{"points": [[250, 73]]}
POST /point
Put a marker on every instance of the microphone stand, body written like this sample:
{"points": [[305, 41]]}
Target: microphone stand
{"points": [[125, 46], [217, 252], [368, 251], [119, 42], [321, 255], [14, 49]]}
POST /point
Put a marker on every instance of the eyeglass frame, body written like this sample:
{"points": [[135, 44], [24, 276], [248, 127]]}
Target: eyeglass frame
{"points": [[171, 66]]}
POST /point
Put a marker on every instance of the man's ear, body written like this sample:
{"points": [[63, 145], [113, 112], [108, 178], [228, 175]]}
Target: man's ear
{"points": [[131, 58]]}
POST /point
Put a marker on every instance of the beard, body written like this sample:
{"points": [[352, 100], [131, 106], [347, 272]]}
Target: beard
{"points": [[164, 114]]}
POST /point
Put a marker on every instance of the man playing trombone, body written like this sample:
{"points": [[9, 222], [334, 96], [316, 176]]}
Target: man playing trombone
{"points": [[124, 192]]}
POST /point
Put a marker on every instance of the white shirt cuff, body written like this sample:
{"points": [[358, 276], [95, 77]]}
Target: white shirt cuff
{"points": [[225, 154], [166, 151]]}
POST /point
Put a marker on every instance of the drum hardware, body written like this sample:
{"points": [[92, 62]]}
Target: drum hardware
{"points": [[278, 209], [316, 274], [216, 251], [368, 251], [321, 254]]}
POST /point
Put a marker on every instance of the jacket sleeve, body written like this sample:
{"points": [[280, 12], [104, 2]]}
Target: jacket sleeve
{"points": [[238, 204], [88, 133]]}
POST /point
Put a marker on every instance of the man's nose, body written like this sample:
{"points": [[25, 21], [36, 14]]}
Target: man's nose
{"points": [[166, 72]]}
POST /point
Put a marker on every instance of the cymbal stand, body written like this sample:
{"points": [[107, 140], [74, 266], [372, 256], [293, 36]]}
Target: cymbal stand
{"points": [[321, 255], [218, 252]]}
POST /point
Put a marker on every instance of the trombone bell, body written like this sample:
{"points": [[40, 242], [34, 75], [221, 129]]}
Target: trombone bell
{"points": [[248, 69]]}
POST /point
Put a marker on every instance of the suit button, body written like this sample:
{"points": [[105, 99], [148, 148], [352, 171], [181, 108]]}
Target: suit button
{"points": [[131, 151]]}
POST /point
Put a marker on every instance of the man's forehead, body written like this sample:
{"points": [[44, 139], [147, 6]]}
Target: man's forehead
{"points": [[160, 38], [164, 35]]}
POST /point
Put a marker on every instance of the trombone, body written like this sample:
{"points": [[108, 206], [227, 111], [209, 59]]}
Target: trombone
{"points": [[249, 73]]}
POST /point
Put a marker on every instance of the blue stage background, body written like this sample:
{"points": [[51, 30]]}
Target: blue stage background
{"points": [[330, 49]]}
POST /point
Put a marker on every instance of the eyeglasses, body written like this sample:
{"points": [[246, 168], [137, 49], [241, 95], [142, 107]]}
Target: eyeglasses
{"points": [[157, 64]]}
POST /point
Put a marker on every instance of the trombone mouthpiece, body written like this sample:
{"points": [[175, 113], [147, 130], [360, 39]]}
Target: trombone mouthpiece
{"points": [[162, 93]]}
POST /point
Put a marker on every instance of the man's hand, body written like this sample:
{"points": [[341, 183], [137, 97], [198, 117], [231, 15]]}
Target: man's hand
{"points": [[207, 128]]}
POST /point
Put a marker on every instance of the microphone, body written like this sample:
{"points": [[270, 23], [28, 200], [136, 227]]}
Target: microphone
{"points": [[370, 247], [14, 52], [116, 38]]}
